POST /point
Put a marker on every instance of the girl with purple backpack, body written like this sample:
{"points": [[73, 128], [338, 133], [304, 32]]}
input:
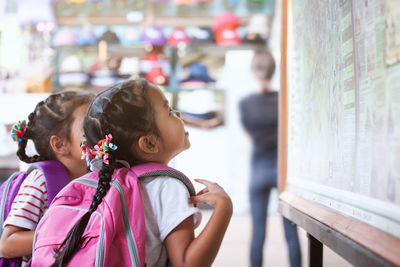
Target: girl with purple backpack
{"points": [[55, 127], [130, 129]]}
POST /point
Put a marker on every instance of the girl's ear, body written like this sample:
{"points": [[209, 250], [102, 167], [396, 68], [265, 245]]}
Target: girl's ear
{"points": [[59, 145], [148, 144]]}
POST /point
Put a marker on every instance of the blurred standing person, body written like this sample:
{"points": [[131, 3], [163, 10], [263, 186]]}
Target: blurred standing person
{"points": [[259, 116]]}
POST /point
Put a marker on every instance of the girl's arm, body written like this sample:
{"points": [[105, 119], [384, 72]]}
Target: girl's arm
{"points": [[16, 241], [185, 250]]}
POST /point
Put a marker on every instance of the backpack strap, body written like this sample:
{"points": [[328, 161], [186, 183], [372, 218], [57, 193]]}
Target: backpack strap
{"points": [[56, 178], [4, 209], [55, 174], [4, 195], [157, 169]]}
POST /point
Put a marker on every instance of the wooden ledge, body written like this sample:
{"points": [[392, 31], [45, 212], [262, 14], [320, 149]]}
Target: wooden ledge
{"points": [[323, 222]]}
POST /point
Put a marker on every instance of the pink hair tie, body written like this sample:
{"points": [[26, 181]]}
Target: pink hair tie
{"points": [[100, 151], [102, 148]]}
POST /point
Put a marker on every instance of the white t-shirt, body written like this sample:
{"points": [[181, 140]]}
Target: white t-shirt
{"points": [[30, 204], [165, 202]]}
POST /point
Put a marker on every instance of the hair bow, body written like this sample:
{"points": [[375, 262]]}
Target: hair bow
{"points": [[18, 130], [102, 148]]}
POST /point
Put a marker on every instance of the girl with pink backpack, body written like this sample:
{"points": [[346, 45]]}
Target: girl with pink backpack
{"points": [[55, 128], [132, 209]]}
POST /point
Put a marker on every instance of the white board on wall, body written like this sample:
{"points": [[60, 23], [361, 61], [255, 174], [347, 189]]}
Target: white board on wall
{"points": [[344, 107]]}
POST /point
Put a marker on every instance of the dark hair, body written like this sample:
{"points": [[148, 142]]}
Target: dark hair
{"points": [[263, 64], [52, 116], [124, 111]]}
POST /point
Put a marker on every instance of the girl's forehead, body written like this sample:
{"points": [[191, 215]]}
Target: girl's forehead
{"points": [[156, 95]]}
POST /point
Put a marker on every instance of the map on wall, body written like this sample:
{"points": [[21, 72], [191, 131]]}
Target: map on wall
{"points": [[344, 107]]}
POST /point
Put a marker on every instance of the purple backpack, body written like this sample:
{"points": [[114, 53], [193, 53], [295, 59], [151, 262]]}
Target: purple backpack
{"points": [[115, 233], [56, 178]]}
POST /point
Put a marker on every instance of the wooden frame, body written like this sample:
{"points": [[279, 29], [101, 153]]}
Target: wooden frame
{"points": [[282, 167], [358, 243]]}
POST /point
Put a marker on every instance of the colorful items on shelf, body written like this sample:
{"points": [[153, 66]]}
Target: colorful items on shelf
{"points": [[198, 72], [198, 78], [153, 60], [257, 29], [201, 35], [155, 66], [154, 35], [130, 36], [151, 56], [110, 37], [226, 19], [259, 24], [227, 36], [224, 32], [157, 76], [225, 29], [179, 36], [86, 37]]}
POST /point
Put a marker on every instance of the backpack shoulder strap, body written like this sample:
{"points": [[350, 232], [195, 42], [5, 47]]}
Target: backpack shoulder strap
{"points": [[55, 174], [9, 190], [157, 169]]}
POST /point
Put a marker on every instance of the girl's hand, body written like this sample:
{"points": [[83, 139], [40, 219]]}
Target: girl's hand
{"points": [[212, 194], [184, 249]]}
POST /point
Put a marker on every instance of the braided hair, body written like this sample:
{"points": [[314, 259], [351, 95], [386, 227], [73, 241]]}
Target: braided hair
{"points": [[124, 111], [52, 116]]}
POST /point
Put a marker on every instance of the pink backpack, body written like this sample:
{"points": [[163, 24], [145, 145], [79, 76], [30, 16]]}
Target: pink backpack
{"points": [[115, 234]]}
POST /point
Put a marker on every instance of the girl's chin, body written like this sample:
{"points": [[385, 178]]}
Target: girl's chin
{"points": [[187, 144]]}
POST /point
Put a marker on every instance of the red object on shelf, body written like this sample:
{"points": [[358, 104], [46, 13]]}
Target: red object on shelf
{"points": [[157, 76], [225, 20], [179, 36], [227, 36]]}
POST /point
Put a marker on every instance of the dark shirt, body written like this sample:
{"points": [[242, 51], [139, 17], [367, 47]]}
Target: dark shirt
{"points": [[259, 116]]}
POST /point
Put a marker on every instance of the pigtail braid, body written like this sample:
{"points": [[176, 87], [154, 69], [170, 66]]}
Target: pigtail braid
{"points": [[105, 176], [73, 240], [21, 152]]}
